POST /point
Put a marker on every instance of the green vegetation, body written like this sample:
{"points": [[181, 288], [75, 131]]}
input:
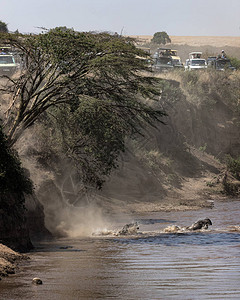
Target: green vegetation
{"points": [[161, 38], [12, 176], [235, 62], [3, 27], [152, 158], [203, 148], [233, 166]]}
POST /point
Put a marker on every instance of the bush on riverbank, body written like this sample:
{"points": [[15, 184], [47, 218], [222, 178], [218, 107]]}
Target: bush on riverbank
{"points": [[13, 184], [233, 165], [12, 176]]}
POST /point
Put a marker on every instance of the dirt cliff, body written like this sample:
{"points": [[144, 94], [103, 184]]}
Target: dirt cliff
{"points": [[178, 166], [174, 166], [181, 164]]}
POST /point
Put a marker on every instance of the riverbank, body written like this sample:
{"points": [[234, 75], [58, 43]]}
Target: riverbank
{"points": [[194, 194], [9, 260]]}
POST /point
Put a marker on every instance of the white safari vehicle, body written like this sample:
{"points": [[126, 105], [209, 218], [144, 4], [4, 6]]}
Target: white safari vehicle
{"points": [[8, 65], [195, 62]]}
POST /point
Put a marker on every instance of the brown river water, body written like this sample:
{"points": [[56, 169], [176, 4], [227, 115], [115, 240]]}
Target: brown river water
{"points": [[149, 265]]}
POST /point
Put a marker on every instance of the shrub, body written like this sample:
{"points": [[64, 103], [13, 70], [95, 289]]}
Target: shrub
{"points": [[235, 62], [233, 166], [12, 176]]}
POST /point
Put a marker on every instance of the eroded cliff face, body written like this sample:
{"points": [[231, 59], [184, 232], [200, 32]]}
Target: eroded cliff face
{"points": [[214, 126], [203, 125], [22, 221], [35, 219]]}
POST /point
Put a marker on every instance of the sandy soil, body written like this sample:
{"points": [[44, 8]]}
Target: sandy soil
{"points": [[9, 260], [216, 41], [193, 193]]}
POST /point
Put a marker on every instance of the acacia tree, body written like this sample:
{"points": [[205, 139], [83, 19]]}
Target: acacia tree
{"points": [[3, 27], [161, 38], [93, 81]]}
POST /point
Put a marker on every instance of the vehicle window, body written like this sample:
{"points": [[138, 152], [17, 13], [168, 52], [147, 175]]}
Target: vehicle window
{"points": [[6, 60], [164, 60], [199, 62]]}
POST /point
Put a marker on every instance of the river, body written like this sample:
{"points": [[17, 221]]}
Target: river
{"points": [[153, 265]]}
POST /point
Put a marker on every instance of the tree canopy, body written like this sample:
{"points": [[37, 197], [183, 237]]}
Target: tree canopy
{"points": [[3, 27], [92, 84], [161, 38]]}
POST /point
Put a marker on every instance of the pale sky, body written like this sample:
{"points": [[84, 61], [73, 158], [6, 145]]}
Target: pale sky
{"points": [[129, 17]]}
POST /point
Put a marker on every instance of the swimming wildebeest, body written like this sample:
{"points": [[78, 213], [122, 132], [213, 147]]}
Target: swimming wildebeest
{"points": [[201, 224], [129, 229]]}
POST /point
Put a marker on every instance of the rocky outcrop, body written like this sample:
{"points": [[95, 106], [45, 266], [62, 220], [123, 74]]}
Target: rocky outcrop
{"points": [[21, 221], [9, 260], [36, 219]]}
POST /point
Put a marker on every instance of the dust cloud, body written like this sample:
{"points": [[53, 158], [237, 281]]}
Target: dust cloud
{"points": [[67, 210], [80, 221], [73, 216]]}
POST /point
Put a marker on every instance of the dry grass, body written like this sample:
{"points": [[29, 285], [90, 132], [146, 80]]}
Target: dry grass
{"points": [[215, 41]]}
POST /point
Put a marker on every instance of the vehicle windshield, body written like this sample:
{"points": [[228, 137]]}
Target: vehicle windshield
{"points": [[164, 61], [198, 62], [6, 59]]}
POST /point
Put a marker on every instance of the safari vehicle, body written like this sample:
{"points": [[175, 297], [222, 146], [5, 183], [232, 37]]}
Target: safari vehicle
{"points": [[8, 65], [195, 62], [176, 60], [219, 64], [162, 64], [166, 59]]}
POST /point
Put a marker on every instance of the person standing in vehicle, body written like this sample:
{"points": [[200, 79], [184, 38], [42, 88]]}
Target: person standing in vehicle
{"points": [[223, 54]]}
